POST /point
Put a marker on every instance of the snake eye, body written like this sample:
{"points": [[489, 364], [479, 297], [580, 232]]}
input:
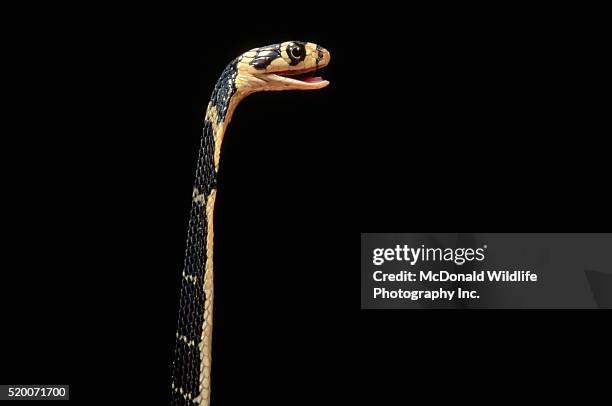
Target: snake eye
{"points": [[296, 52]]}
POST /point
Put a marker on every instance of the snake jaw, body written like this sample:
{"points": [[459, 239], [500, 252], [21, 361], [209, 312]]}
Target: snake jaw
{"points": [[300, 80], [294, 80]]}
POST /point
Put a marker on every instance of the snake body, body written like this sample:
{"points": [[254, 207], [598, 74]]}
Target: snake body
{"points": [[285, 66]]}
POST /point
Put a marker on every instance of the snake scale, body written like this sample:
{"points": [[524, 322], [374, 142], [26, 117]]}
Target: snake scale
{"points": [[286, 66]]}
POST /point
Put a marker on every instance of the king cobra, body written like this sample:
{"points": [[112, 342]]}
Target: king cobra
{"points": [[286, 66]]}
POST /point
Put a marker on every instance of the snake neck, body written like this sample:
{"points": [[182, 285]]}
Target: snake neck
{"points": [[192, 359]]}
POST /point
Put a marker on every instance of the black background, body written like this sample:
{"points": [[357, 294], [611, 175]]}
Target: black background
{"points": [[436, 120]]}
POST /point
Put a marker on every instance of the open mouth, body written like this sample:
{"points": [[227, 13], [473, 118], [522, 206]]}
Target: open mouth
{"points": [[303, 76]]}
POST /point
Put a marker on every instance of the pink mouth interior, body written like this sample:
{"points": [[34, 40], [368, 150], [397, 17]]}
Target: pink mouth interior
{"points": [[312, 79], [302, 77]]}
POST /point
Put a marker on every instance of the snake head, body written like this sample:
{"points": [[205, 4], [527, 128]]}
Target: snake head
{"points": [[291, 65]]}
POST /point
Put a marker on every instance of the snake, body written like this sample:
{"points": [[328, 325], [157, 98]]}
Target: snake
{"points": [[289, 65]]}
